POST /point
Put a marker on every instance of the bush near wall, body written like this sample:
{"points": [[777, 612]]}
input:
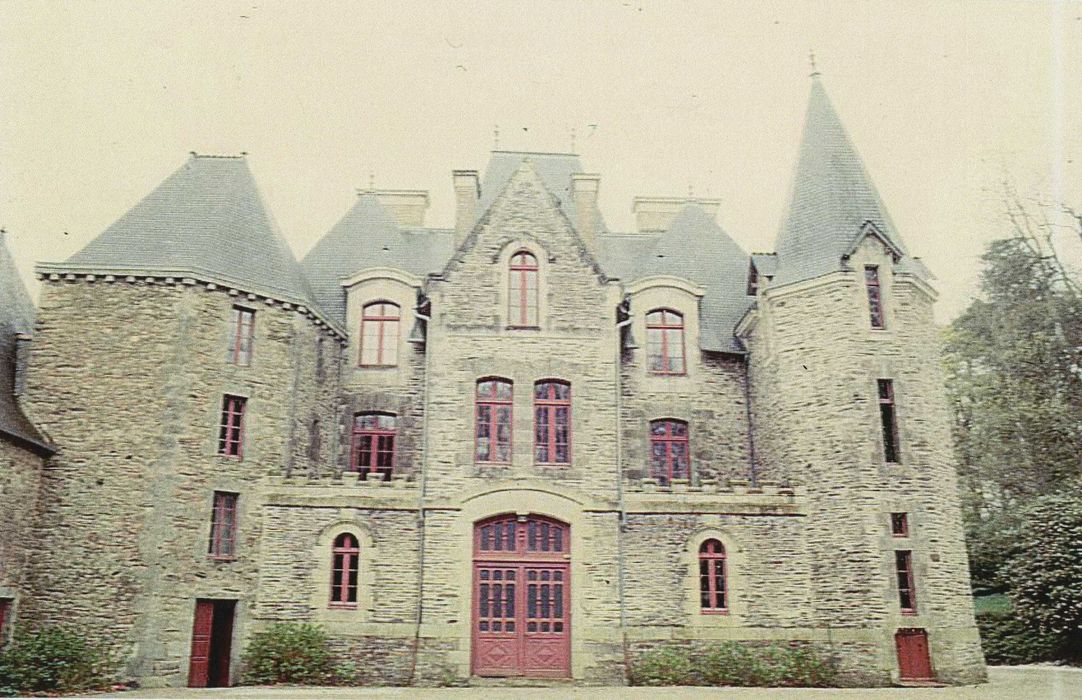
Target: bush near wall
{"points": [[288, 652], [54, 660], [732, 663], [1007, 640]]}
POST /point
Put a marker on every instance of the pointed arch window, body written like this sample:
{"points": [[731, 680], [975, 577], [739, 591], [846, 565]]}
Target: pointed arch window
{"points": [[344, 567], [713, 593], [665, 342], [552, 422], [522, 296], [669, 451], [379, 334], [373, 445], [493, 436]]}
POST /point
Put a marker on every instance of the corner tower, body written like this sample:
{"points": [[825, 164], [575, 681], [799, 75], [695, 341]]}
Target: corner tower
{"points": [[178, 361], [849, 400]]}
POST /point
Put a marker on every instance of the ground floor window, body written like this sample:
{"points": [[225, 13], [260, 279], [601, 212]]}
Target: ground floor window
{"points": [[713, 594]]}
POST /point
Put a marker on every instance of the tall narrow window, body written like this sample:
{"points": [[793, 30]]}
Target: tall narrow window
{"points": [[321, 370], [875, 296], [665, 342], [223, 526], [344, 571], [373, 445], [493, 437], [669, 451], [5, 617], [315, 439], [522, 291], [231, 427], [241, 336], [379, 334], [712, 591], [907, 592], [889, 420], [552, 422]]}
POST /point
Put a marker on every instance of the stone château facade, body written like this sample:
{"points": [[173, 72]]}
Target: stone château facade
{"points": [[527, 446]]}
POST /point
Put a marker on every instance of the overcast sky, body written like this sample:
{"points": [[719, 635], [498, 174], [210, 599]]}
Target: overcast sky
{"points": [[103, 100]]}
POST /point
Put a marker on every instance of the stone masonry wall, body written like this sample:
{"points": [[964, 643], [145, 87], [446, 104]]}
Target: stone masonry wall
{"points": [[20, 479]]}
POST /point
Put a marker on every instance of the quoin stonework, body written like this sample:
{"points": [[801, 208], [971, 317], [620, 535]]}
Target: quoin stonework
{"points": [[525, 447]]}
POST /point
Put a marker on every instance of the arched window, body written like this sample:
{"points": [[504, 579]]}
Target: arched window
{"points": [[373, 444], [665, 342], [713, 596], [552, 422], [379, 334], [522, 291], [493, 435], [669, 451], [344, 571]]}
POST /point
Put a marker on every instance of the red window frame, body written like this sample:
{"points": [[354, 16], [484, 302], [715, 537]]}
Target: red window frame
{"points": [[380, 320], [374, 444], [713, 579], [223, 526], [668, 439], [231, 427], [907, 588], [899, 524], [494, 421], [875, 297], [552, 422], [345, 556], [664, 336], [888, 418], [242, 336], [522, 310]]}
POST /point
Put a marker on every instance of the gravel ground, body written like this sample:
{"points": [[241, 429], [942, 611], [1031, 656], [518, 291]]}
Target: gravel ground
{"points": [[1005, 683]]}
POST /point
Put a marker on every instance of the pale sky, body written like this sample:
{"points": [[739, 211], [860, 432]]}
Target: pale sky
{"points": [[103, 100]]}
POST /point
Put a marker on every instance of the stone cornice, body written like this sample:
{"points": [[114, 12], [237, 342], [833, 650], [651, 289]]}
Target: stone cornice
{"points": [[387, 273], [671, 281]]}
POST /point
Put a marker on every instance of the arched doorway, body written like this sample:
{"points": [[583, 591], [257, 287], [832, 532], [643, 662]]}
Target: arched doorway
{"points": [[521, 597]]}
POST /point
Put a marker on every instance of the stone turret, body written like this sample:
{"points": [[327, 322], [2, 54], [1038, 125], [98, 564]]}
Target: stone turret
{"points": [[194, 298], [848, 400]]}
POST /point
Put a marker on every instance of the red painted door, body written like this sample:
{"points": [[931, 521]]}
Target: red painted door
{"points": [[199, 666], [521, 598], [914, 661]]}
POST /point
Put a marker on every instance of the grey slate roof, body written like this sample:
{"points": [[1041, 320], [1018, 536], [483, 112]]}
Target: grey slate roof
{"points": [[832, 197], [367, 237], [207, 218], [16, 316]]}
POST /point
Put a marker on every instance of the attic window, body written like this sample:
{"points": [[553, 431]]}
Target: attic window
{"points": [[875, 296], [665, 342], [522, 291]]}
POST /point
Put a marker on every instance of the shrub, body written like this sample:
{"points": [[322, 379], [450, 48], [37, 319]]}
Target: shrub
{"points": [[733, 663], [54, 660], [288, 652], [1007, 640], [666, 665]]}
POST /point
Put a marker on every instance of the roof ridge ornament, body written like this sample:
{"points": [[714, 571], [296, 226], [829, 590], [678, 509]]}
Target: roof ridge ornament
{"points": [[815, 70]]}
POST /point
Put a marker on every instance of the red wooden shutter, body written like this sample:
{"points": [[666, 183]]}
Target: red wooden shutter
{"points": [[199, 667]]}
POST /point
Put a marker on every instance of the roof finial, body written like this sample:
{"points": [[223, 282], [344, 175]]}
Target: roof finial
{"points": [[371, 181], [811, 58], [496, 137], [572, 139], [691, 191]]}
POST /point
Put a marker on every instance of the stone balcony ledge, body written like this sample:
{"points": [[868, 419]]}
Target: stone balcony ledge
{"points": [[346, 490], [737, 497]]}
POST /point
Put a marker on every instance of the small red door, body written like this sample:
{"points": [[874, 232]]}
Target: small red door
{"points": [[914, 661], [199, 667], [522, 598]]}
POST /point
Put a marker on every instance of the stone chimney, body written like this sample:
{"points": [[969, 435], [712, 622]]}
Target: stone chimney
{"points": [[584, 187], [467, 192], [655, 214], [406, 206]]}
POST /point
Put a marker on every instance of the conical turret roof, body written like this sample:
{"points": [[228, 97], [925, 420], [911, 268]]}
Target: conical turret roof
{"points": [[16, 316], [832, 199], [207, 219]]}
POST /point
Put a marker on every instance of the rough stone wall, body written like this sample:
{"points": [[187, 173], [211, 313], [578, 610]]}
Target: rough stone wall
{"points": [[134, 403], [815, 362], [20, 478]]}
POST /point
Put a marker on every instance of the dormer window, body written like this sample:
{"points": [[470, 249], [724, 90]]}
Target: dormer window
{"points": [[665, 342], [875, 297], [379, 334], [522, 293]]}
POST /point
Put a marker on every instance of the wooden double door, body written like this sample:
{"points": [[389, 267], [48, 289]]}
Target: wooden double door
{"points": [[212, 643], [521, 598]]}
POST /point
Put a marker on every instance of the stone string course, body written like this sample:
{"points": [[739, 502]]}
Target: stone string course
{"points": [[126, 376]]}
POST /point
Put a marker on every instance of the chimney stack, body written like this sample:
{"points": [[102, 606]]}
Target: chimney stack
{"points": [[584, 188], [656, 214], [467, 192], [406, 206]]}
